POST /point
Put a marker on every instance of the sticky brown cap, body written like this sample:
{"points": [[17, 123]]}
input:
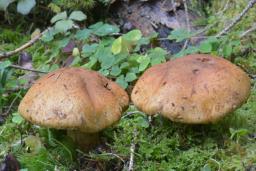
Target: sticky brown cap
{"points": [[192, 89], [74, 98]]}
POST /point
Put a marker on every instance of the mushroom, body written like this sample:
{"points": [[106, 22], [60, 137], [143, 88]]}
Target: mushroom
{"points": [[81, 101], [195, 89]]}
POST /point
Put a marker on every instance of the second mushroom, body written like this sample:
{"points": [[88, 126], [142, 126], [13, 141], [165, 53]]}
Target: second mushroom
{"points": [[193, 89]]}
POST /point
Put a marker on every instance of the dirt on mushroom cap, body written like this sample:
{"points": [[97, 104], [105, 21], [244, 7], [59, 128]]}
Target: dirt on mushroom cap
{"points": [[74, 98], [193, 89]]}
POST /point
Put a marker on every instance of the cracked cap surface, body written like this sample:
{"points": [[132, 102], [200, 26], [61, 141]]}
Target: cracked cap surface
{"points": [[192, 89], [74, 98]]}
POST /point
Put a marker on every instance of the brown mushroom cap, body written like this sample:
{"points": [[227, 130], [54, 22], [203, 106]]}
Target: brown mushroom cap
{"points": [[193, 89], [74, 98]]}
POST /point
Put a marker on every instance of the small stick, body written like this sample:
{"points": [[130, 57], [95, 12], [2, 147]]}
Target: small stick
{"points": [[132, 150], [26, 69], [187, 23], [253, 28], [21, 48], [238, 18]]}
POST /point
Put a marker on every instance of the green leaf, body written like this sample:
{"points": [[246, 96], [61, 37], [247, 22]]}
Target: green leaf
{"points": [[205, 47], [63, 25], [179, 35], [83, 34], [59, 16], [96, 26], [107, 61], [77, 15], [121, 58], [106, 29], [115, 71], [104, 72], [130, 77], [124, 65], [4, 4], [62, 42], [134, 70], [87, 50], [91, 63], [141, 122], [5, 64], [17, 119], [117, 46], [55, 8], [157, 55], [133, 36], [227, 50], [107, 41], [121, 81], [25, 6], [48, 36], [53, 67], [76, 61], [144, 62], [102, 53], [189, 50], [142, 41]]}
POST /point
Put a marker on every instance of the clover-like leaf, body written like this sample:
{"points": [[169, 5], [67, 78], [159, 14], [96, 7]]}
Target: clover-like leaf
{"points": [[59, 16], [25, 6], [106, 29], [115, 71], [205, 47], [63, 25], [133, 36], [121, 81], [130, 77], [117, 46], [77, 15], [83, 34]]}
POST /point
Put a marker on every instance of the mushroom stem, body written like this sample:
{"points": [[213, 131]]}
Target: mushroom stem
{"points": [[85, 141]]}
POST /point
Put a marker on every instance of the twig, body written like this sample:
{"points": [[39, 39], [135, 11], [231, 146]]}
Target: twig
{"points": [[187, 23], [26, 69], [237, 19], [132, 150], [26, 45], [253, 28]]}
